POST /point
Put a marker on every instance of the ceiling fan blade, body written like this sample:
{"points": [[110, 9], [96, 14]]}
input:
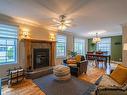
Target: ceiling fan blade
{"points": [[68, 21], [55, 25], [68, 25], [56, 20]]}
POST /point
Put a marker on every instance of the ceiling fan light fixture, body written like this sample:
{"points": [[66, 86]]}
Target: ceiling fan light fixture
{"points": [[62, 23], [62, 27]]}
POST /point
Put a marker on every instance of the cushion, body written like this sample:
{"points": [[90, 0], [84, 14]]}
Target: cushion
{"points": [[78, 58], [108, 82], [125, 85], [72, 65], [71, 61], [119, 74]]}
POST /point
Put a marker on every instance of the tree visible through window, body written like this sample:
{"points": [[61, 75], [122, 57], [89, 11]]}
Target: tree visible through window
{"points": [[8, 44], [61, 46]]}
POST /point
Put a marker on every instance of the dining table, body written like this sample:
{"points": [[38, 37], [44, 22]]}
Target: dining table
{"points": [[96, 56]]}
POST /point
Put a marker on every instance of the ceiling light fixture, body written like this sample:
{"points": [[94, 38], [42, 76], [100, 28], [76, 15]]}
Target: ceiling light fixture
{"points": [[62, 23], [96, 39], [97, 32]]}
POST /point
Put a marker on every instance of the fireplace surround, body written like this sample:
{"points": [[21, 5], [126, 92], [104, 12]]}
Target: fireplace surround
{"points": [[39, 53]]}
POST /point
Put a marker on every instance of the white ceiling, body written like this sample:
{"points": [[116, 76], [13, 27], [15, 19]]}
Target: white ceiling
{"points": [[87, 15]]}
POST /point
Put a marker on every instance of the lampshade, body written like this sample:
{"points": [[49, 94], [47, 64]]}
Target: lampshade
{"points": [[25, 33], [52, 37], [125, 46], [95, 40]]}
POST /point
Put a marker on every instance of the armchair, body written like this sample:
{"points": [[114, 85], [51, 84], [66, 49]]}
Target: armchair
{"points": [[77, 67]]}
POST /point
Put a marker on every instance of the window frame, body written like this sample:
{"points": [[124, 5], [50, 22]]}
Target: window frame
{"points": [[15, 46], [83, 45], [108, 52], [65, 45]]}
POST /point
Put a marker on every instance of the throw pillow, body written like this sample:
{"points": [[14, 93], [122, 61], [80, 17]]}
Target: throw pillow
{"points": [[71, 61], [119, 74], [78, 58]]}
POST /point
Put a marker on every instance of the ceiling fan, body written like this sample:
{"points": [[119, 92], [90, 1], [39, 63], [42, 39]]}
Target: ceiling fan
{"points": [[62, 23]]}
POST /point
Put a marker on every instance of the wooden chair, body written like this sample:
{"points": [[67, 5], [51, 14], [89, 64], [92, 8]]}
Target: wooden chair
{"points": [[90, 57], [101, 59], [99, 52]]}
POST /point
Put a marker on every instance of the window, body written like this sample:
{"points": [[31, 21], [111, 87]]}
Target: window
{"points": [[61, 46], [104, 45], [8, 44], [79, 46]]}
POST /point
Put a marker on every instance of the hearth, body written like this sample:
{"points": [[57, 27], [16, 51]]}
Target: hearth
{"points": [[40, 58]]}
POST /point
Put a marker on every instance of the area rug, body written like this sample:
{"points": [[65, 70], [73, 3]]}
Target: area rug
{"points": [[74, 86]]}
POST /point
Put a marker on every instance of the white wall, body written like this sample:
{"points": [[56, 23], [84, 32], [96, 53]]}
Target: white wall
{"points": [[70, 44], [36, 33]]}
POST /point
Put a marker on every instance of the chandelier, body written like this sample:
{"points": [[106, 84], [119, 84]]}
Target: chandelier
{"points": [[62, 23], [96, 39]]}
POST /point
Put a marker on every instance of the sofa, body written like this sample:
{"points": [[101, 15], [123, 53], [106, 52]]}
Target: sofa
{"points": [[77, 64], [113, 84]]}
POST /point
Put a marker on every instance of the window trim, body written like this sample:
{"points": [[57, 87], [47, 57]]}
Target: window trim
{"points": [[16, 53], [108, 43], [83, 53], [65, 46], [16, 46]]}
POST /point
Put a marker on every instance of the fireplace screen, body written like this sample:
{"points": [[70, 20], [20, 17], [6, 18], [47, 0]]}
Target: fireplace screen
{"points": [[40, 58]]}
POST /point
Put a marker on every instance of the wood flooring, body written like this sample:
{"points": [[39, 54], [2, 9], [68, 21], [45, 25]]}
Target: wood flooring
{"points": [[27, 87]]}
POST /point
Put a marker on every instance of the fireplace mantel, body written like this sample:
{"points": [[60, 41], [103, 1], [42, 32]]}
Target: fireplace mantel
{"points": [[28, 51], [36, 40]]}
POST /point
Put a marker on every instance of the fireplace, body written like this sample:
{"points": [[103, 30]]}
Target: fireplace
{"points": [[39, 54], [40, 58]]}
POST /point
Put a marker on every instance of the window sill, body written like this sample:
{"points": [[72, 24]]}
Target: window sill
{"points": [[8, 64]]}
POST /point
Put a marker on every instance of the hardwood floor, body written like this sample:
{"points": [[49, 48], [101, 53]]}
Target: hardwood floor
{"points": [[27, 87], [92, 75]]}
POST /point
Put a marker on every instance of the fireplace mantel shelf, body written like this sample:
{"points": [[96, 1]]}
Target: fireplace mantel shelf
{"points": [[37, 40]]}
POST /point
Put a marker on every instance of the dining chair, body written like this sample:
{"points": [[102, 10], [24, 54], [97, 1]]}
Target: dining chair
{"points": [[90, 58], [101, 59]]}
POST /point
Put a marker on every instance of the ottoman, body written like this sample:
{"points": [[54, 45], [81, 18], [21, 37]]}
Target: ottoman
{"points": [[61, 72]]}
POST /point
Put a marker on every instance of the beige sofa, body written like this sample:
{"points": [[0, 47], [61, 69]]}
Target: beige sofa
{"points": [[107, 86], [115, 83]]}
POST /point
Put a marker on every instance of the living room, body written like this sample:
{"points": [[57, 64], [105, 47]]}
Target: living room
{"points": [[62, 47]]}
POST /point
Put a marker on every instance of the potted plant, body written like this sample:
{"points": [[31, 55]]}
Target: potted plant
{"points": [[71, 53]]}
